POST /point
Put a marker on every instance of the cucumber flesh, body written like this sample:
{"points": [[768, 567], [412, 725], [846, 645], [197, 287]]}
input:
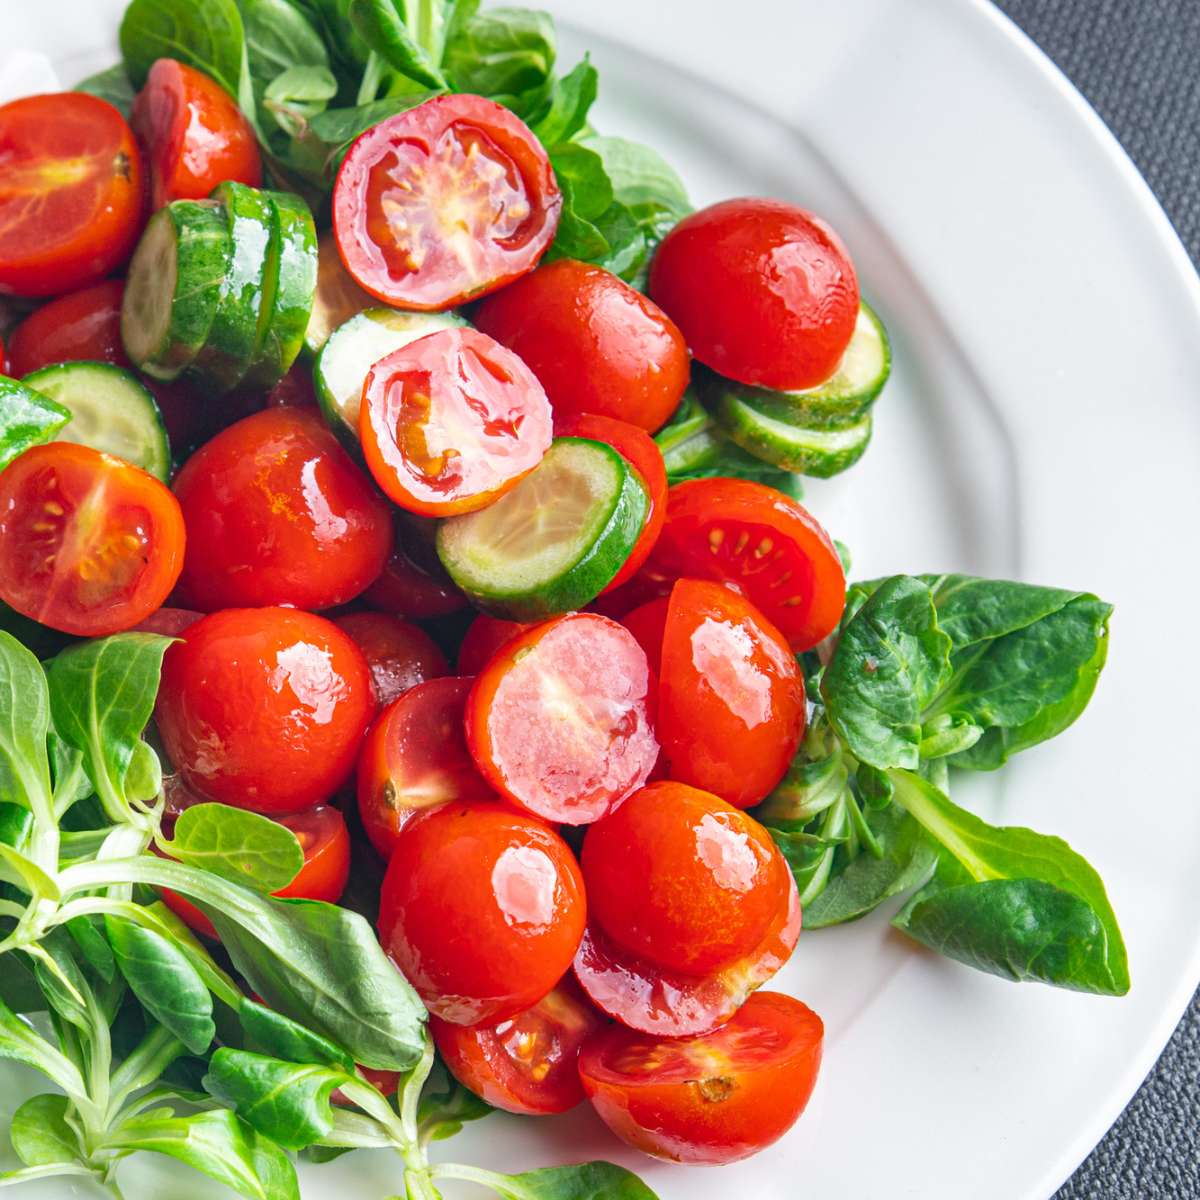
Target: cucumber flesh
{"points": [[554, 542], [111, 410], [337, 298]]}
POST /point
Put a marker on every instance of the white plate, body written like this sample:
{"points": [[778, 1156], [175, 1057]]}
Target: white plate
{"points": [[1042, 422]]}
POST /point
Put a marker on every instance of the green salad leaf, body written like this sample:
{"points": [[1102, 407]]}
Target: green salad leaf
{"points": [[40, 1134], [208, 36], [238, 845]]}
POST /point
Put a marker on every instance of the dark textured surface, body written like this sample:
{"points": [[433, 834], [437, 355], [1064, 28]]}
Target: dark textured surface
{"points": [[1138, 63]]}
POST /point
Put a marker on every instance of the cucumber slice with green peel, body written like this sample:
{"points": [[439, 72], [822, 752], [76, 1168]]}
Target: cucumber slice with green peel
{"points": [[111, 410], [337, 297], [171, 287], [354, 348], [554, 542]]}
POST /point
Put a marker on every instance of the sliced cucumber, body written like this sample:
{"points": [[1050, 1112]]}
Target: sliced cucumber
{"points": [[354, 348], [337, 298], [111, 410], [171, 287], [554, 542], [27, 418]]}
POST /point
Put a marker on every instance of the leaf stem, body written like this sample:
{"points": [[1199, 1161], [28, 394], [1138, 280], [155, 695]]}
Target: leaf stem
{"points": [[920, 798]]}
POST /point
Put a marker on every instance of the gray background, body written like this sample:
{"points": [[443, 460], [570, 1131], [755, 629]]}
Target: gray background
{"points": [[1138, 63]]}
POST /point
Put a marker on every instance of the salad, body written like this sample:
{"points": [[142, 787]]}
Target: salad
{"points": [[423, 689]]}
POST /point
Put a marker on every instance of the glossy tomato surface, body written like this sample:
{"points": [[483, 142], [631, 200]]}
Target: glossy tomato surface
{"points": [[82, 325], [561, 720], [764, 544], [529, 1063], [89, 544], [482, 909], [597, 345], [451, 422], [444, 202], [264, 708], [764, 292], [278, 513], [71, 203], [711, 1099], [415, 590], [399, 653], [415, 757], [485, 637], [193, 133]]}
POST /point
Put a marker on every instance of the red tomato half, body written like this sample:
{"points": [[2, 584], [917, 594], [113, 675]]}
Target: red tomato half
{"points": [[89, 545], [264, 708], [408, 589], [711, 1099], [400, 654], [483, 640], [597, 345], [768, 547], [71, 204], [194, 134], [444, 202], [530, 1063], [763, 291], [451, 422], [482, 910], [415, 757], [278, 513], [561, 720]]}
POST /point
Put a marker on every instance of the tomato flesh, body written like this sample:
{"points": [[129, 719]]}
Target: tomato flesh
{"points": [[710, 1099], [400, 654]]}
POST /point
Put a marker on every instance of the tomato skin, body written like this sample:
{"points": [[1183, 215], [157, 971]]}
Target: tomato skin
{"points": [[648, 624], [89, 544], [597, 345], [278, 513], [482, 909], [485, 637], [399, 654], [168, 622], [193, 133], [71, 203], [711, 1099], [764, 292], [81, 326], [529, 1063], [560, 721], [264, 708], [412, 589]]}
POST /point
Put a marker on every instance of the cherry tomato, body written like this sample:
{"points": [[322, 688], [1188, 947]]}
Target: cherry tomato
{"points": [[89, 544], [763, 291], [648, 624], [768, 547], [323, 837], [169, 622], [483, 640], [443, 203], [642, 453], [194, 134], [482, 909], [399, 654], [529, 1063], [711, 1099], [561, 720], [415, 757], [295, 389], [278, 513], [71, 204], [597, 345], [451, 422], [414, 590], [264, 708]]}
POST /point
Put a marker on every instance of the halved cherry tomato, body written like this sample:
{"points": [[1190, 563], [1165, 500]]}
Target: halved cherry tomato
{"points": [[731, 702], [711, 1099], [71, 204], [194, 134], [323, 837], [264, 708], [483, 640], [770, 548], [530, 1063], [597, 345], [278, 513], [482, 909], [648, 623], [451, 422], [443, 203], [400, 654], [764, 291], [89, 545], [415, 757], [561, 720], [638, 449], [414, 590], [169, 622]]}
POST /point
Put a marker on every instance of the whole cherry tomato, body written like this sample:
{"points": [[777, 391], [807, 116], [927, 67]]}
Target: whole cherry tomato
{"points": [[194, 134], [89, 544], [264, 708], [764, 292], [278, 513], [710, 1099], [482, 909], [168, 622], [648, 624], [400, 654], [597, 345], [412, 589], [483, 640], [71, 204]]}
